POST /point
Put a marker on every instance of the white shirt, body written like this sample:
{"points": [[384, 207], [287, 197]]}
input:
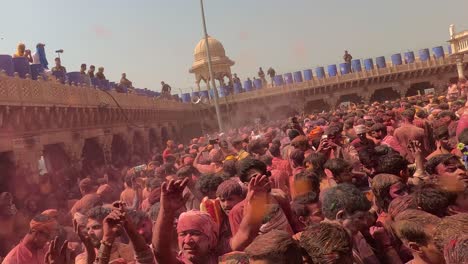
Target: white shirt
{"points": [[36, 59]]}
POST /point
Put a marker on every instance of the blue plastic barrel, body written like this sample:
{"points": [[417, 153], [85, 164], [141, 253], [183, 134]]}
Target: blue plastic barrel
{"points": [[368, 64], [409, 57], [195, 94], [237, 88], [356, 65], [186, 98], [320, 72], [438, 52], [74, 77], [204, 93], [396, 59], [105, 85], [21, 66], [297, 76], [6, 64], [248, 85], [345, 68], [288, 78], [36, 70], [257, 84], [449, 49], [278, 79], [308, 75], [332, 70], [380, 62], [424, 55]]}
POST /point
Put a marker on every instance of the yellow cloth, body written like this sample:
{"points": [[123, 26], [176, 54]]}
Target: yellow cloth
{"points": [[20, 50]]}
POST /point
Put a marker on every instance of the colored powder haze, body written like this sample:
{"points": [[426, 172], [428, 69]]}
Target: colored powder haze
{"points": [[153, 40]]}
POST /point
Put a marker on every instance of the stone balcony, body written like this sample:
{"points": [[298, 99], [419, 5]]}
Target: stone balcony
{"points": [[375, 79], [38, 114]]}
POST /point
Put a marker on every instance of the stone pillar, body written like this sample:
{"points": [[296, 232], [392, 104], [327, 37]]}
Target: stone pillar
{"points": [[105, 141], [74, 150], [460, 66]]}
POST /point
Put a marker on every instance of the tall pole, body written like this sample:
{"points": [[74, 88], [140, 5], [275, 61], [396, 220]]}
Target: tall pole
{"points": [[213, 82]]}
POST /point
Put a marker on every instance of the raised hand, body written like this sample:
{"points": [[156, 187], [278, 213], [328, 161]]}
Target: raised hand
{"points": [[112, 224], [380, 235], [171, 194], [414, 147], [58, 254], [257, 198], [85, 239]]}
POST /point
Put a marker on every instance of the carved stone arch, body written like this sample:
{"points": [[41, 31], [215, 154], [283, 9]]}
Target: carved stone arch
{"points": [[384, 94], [414, 88], [317, 106], [352, 97], [119, 149], [56, 157], [92, 154]]}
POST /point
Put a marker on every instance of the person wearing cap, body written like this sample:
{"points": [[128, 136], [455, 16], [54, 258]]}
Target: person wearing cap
{"points": [[362, 142], [32, 248], [39, 57]]}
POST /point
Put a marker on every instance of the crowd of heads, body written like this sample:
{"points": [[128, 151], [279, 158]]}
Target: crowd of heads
{"points": [[379, 183]]}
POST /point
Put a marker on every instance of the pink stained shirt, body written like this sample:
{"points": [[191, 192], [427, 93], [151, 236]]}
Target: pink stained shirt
{"points": [[21, 255], [393, 143]]}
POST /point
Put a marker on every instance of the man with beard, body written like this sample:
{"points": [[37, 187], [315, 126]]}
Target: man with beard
{"points": [[197, 233], [142, 224], [94, 236], [32, 248]]}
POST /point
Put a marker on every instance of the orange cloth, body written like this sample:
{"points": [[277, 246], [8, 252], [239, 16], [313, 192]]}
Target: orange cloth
{"points": [[48, 226], [212, 207], [315, 133]]}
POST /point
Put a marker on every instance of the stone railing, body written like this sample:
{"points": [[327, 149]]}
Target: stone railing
{"points": [[15, 91], [354, 78]]}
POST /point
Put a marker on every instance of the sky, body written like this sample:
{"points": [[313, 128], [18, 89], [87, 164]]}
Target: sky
{"points": [[153, 40]]}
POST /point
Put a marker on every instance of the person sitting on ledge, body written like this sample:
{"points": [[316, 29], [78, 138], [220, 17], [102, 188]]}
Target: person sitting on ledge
{"points": [[59, 71], [21, 51], [124, 81], [100, 74]]}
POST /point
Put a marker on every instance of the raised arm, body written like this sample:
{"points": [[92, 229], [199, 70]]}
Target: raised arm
{"points": [[254, 212], [171, 201]]}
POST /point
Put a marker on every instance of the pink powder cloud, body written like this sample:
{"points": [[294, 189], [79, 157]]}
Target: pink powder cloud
{"points": [[299, 49], [244, 35], [101, 31]]}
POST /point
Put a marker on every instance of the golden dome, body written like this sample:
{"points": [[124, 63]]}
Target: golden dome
{"points": [[218, 56], [216, 49]]}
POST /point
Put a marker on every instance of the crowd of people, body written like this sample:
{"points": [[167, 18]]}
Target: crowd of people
{"points": [[379, 183], [59, 71]]}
